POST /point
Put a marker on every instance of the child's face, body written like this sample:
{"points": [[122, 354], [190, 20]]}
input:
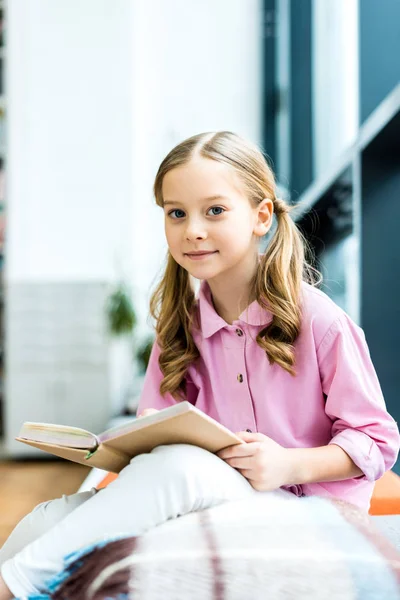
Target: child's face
{"points": [[227, 227]]}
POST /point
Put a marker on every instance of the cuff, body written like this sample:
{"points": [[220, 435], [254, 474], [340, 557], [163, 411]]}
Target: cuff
{"points": [[363, 451]]}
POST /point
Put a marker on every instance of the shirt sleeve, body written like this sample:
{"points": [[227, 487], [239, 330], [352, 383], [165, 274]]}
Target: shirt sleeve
{"points": [[151, 396], [361, 425]]}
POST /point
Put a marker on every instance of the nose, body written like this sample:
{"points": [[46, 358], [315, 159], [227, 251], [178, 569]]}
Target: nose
{"points": [[195, 230]]}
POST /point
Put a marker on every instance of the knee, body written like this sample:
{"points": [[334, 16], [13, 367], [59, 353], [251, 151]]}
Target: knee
{"points": [[191, 466], [175, 460], [184, 457]]}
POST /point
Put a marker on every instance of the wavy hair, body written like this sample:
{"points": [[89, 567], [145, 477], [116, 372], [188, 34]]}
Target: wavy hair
{"points": [[277, 282]]}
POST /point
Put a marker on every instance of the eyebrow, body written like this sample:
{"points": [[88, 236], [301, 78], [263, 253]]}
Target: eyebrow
{"points": [[209, 199]]}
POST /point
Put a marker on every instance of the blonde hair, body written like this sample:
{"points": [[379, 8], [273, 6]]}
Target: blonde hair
{"points": [[277, 282]]}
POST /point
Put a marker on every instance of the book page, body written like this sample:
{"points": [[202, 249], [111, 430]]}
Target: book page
{"points": [[63, 435]]}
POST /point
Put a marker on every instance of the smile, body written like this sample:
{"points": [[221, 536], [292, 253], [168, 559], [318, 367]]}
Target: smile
{"points": [[201, 256]]}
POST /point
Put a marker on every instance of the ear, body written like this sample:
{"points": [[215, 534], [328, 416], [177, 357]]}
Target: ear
{"points": [[265, 211]]}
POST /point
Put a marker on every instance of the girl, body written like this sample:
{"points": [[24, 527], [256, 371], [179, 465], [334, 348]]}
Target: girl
{"points": [[261, 350]]}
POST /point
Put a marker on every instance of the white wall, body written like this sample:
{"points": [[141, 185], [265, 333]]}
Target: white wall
{"points": [[69, 151], [69, 98], [197, 67], [97, 94]]}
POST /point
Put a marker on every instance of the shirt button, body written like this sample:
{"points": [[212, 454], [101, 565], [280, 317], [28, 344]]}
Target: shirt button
{"points": [[239, 332], [240, 378]]}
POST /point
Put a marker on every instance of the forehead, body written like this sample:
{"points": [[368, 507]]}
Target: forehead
{"points": [[201, 178]]}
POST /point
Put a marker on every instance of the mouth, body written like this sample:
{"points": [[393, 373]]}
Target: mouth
{"points": [[200, 255]]}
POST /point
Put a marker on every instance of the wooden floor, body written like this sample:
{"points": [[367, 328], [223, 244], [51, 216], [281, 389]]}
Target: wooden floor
{"points": [[24, 484]]}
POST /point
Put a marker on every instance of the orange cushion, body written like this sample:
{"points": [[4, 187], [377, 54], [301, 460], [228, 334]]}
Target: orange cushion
{"points": [[385, 498], [107, 479]]}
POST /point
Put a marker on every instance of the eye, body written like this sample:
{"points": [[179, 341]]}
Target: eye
{"points": [[178, 216], [217, 208]]}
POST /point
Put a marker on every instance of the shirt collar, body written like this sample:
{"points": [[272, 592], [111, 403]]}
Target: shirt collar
{"points": [[211, 322]]}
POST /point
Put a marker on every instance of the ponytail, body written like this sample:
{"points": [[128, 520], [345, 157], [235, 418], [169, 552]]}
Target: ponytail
{"points": [[277, 287]]}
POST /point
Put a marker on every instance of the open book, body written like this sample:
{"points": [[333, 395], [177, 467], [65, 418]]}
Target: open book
{"points": [[112, 450]]}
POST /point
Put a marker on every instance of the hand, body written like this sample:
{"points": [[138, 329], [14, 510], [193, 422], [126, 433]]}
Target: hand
{"points": [[146, 412], [262, 461]]}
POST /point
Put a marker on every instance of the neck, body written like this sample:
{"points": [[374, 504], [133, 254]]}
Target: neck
{"points": [[231, 291]]}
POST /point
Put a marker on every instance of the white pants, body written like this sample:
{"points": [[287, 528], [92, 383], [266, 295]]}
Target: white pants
{"points": [[164, 484]]}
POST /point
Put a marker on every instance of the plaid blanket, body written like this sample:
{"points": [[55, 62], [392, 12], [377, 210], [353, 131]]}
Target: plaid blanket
{"points": [[263, 548]]}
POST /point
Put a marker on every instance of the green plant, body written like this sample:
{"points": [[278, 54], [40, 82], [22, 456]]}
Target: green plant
{"points": [[143, 353], [121, 317]]}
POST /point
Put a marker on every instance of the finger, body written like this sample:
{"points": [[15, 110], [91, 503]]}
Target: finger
{"points": [[261, 486], [243, 462], [248, 474], [258, 485], [239, 450]]}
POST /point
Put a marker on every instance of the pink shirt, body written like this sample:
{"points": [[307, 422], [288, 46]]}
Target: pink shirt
{"points": [[335, 397]]}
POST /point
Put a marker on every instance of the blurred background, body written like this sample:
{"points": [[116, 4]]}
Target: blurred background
{"points": [[95, 93]]}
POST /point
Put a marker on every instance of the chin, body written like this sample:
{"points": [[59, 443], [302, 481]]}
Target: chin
{"points": [[202, 272]]}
